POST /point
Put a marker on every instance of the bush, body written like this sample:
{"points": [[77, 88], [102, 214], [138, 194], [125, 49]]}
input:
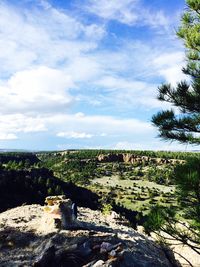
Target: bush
{"points": [[106, 209]]}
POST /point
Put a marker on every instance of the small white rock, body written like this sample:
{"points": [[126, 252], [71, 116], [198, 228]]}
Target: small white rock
{"points": [[98, 263]]}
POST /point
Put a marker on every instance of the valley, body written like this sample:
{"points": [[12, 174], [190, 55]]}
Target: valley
{"points": [[130, 182]]}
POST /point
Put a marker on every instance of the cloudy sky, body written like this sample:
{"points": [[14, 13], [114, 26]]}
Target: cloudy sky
{"points": [[84, 73]]}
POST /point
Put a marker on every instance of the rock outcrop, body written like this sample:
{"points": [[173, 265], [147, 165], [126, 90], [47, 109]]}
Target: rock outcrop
{"points": [[110, 158], [27, 240], [131, 158], [59, 213]]}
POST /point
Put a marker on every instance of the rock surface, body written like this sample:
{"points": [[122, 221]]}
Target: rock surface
{"points": [[131, 158], [25, 240]]}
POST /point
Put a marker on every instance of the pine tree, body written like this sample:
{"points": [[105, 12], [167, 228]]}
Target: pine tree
{"points": [[183, 222], [184, 127]]}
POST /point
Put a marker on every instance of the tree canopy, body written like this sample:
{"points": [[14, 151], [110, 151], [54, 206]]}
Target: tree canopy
{"points": [[184, 125]]}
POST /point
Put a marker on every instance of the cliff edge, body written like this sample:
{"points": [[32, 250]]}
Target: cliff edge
{"points": [[26, 239]]}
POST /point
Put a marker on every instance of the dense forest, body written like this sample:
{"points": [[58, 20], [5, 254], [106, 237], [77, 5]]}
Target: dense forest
{"points": [[23, 180]]}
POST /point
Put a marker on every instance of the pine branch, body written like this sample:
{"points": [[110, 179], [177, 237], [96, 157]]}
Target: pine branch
{"points": [[183, 258]]}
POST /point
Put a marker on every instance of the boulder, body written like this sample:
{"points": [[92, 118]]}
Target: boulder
{"points": [[59, 213]]}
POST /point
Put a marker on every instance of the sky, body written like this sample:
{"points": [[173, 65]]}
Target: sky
{"points": [[84, 73]]}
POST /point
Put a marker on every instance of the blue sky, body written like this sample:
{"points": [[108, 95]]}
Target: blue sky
{"points": [[84, 74]]}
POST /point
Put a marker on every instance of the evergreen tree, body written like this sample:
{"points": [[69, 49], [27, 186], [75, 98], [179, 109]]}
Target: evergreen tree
{"points": [[183, 222], [184, 127]]}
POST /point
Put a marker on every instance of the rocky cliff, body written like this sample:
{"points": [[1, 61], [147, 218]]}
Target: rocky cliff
{"points": [[131, 158], [25, 240]]}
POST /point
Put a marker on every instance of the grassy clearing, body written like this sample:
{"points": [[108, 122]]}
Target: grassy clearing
{"points": [[136, 195], [115, 181]]}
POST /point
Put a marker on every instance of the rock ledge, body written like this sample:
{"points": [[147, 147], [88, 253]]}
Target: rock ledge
{"points": [[100, 241]]}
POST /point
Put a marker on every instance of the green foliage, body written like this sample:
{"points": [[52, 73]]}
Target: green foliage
{"points": [[50, 192], [106, 209], [181, 222], [22, 186], [49, 159], [156, 219], [187, 177], [185, 128], [186, 96], [164, 220], [162, 176]]}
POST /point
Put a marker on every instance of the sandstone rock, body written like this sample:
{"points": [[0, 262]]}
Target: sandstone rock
{"points": [[58, 213], [140, 229], [128, 158], [53, 200], [124, 247]]}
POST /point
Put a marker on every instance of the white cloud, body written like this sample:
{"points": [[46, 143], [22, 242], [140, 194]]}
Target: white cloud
{"points": [[155, 145], [37, 90], [166, 59], [44, 52], [129, 92], [79, 135], [173, 75], [128, 12], [128, 146], [155, 19], [84, 68], [169, 65], [79, 115], [14, 124], [113, 84], [141, 61], [42, 36], [114, 10], [103, 134], [54, 38], [125, 145], [96, 125], [76, 135], [7, 136], [145, 67], [76, 126]]}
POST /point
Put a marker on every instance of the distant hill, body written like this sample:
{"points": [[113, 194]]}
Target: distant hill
{"points": [[2, 150]]}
